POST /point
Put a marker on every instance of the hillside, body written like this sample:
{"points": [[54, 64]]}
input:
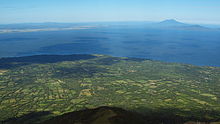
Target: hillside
{"points": [[54, 85], [173, 24], [102, 115]]}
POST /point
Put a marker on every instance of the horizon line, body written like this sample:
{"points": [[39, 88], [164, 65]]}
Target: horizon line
{"points": [[77, 22]]}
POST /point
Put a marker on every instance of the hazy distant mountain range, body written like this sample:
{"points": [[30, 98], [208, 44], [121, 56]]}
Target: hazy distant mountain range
{"points": [[49, 26]]}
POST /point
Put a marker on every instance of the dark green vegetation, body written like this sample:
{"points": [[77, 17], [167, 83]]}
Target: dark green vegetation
{"points": [[43, 87]]}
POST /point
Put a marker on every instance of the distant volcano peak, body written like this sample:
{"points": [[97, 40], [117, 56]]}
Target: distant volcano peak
{"points": [[172, 22]]}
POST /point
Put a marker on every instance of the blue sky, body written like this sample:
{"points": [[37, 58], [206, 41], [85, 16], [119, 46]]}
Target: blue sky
{"points": [[193, 11]]}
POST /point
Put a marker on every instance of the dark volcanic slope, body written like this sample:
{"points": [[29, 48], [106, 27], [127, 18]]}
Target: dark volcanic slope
{"points": [[102, 115], [105, 115]]}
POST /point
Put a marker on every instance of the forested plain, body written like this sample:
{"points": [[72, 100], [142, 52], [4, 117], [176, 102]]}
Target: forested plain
{"points": [[62, 84]]}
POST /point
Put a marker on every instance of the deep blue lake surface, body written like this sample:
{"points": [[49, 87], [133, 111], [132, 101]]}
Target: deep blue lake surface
{"points": [[183, 46]]}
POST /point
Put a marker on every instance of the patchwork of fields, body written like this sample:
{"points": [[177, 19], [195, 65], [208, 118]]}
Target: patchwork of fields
{"points": [[139, 85]]}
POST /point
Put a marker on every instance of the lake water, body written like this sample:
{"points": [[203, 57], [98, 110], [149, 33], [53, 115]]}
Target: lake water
{"points": [[192, 47]]}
